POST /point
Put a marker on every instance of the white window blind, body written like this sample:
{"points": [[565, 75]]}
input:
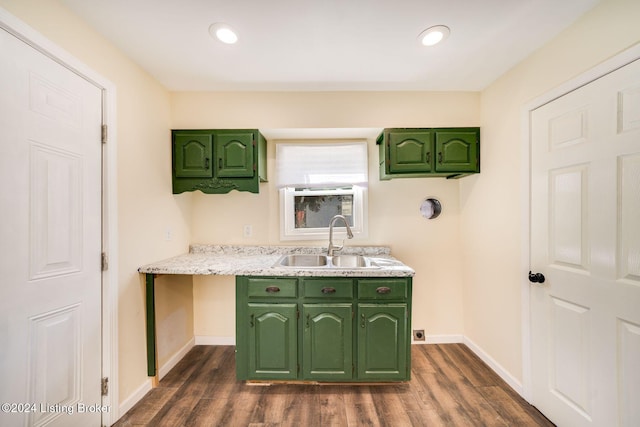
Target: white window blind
{"points": [[320, 165]]}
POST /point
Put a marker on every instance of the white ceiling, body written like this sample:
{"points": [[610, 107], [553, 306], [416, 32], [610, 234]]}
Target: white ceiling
{"points": [[328, 45]]}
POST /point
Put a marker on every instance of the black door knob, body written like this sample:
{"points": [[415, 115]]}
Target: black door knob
{"points": [[536, 277]]}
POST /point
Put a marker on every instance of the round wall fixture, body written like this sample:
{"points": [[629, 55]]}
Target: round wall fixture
{"points": [[430, 208]]}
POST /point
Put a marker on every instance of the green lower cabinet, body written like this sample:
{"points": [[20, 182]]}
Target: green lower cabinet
{"points": [[323, 329], [272, 347], [382, 342], [327, 344]]}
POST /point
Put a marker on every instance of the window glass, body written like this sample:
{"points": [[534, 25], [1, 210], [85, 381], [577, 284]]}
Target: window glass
{"points": [[317, 211]]}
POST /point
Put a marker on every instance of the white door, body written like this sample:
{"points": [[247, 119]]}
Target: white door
{"points": [[585, 240], [50, 241]]}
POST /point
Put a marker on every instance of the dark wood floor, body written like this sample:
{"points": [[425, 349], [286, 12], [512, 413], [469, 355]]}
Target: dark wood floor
{"points": [[450, 386]]}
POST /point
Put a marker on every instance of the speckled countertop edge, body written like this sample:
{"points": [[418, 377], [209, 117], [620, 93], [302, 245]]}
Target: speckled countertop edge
{"points": [[234, 260]]}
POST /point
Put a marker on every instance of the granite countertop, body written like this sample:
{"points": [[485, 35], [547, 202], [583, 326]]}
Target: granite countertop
{"points": [[233, 260]]}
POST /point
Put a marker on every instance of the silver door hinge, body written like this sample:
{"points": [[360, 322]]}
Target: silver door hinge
{"points": [[105, 386], [104, 261], [104, 134]]}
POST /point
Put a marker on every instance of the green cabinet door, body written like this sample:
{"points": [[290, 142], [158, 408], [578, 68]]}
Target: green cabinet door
{"points": [[272, 339], [410, 152], [234, 152], [192, 155], [457, 150], [382, 342], [327, 346]]}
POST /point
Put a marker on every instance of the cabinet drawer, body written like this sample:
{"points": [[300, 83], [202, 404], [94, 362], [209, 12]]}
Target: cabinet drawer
{"points": [[327, 288], [382, 289], [274, 288]]}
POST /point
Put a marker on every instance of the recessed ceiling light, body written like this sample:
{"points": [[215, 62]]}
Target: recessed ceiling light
{"points": [[223, 32], [434, 35]]}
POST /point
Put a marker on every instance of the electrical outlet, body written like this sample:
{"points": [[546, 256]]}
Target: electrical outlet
{"points": [[168, 234], [418, 335], [247, 231]]}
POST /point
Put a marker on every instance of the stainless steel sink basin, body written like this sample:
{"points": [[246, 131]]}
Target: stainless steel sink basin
{"points": [[350, 261], [301, 260], [324, 261]]}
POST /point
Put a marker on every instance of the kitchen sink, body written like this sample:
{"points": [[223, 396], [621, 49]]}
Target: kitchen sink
{"points": [[350, 261], [325, 261], [300, 260]]}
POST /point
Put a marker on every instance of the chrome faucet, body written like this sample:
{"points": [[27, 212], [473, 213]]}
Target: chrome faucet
{"points": [[332, 247]]}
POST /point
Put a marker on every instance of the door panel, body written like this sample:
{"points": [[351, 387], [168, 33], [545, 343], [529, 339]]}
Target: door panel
{"points": [[568, 233], [585, 238], [273, 341], [570, 353], [628, 372], [382, 339], [629, 226], [327, 346], [235, 154], [50, 250], [56, 212], [457, 151], [410, 152], [56, 365], [193, 155]]}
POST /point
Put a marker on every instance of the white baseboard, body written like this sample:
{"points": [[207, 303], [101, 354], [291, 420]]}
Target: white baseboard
{"points": [[146, 386], [211, 340], [495, 366], [134, 398], [173, 361], [441, 339]]}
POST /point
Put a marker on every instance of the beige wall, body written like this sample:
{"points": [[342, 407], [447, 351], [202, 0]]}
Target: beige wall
{"points": [[146, 207], [432, 248], [491, 203]]}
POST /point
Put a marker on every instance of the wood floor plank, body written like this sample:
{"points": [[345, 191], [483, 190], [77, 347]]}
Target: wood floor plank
{"points": [[390, 406], [514, 410], [450, 386], [470, 365], [360, 408], [147, 408], [301, 405], [191, 362]]}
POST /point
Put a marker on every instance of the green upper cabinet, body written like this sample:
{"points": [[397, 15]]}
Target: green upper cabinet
{"points": [[218, 160], [429, 152]]}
